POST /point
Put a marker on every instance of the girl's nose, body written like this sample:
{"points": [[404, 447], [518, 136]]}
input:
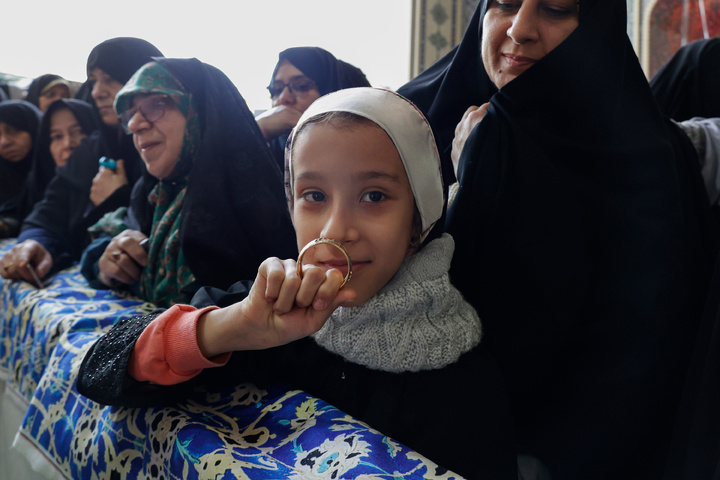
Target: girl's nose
{"points": [[339, 225]]}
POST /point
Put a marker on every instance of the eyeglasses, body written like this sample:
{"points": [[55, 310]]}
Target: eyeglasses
{"points": [[152, 109], [299, 87]]}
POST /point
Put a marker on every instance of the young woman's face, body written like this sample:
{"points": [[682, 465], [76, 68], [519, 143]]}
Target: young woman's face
{"points": [[55, 93], [103, 93], [518, 33], [287, 73], [159, 139], [350, 185], [65, 135], [14, 144]]}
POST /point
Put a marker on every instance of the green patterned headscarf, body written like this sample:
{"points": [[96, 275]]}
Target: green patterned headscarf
{"points": [[166, 274]]}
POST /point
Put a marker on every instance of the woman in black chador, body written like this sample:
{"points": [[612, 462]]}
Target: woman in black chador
{"points": [[54, 234], [687, 86], [582, 229]]}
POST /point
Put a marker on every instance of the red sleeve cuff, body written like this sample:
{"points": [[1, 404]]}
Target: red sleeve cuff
{"points": [[167, 351]]}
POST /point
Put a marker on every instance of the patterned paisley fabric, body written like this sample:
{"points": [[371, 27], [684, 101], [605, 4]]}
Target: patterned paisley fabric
{"points": [[241, 432]]}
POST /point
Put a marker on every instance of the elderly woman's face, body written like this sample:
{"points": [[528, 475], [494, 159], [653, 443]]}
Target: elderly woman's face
{"points": [[158, 129], [518, 33]]}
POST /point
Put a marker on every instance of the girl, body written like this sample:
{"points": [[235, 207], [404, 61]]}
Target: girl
{"points": [[397, 347]]}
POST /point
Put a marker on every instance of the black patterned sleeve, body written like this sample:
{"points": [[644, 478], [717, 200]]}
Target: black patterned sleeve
{"points": [[103, 373]]}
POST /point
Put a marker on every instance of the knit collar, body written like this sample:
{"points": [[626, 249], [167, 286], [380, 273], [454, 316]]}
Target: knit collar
{"points": [[418, 321]]}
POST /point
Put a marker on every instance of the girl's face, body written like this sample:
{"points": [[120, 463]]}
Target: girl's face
{"points": [[55, 93], [14, 144], [350, 185], [300, 98], [65, 135], [518, 33], [158, 128], [103, 93]]}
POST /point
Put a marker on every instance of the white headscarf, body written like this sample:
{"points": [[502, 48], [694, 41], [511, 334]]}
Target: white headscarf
{"points": [[407, 128]]}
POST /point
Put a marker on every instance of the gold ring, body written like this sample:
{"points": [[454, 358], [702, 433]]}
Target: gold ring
{"points": [[328, 241], [116, 254]]}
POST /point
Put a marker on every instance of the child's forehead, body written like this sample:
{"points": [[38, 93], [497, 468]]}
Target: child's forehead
{"points": [[368, 135], [361, 151]]}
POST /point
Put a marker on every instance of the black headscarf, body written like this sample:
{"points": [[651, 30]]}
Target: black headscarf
{"points": [[38, 85], [43, 166], [234, 214], [43, 169], [329, 73], [689, 84], [61, 220], [119, 57], [23, 116], [582, 238], [687, 87]]}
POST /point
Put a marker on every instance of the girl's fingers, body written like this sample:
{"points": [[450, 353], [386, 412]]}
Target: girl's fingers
{"points": [[271, 275], [314, 279], [328, 290]]}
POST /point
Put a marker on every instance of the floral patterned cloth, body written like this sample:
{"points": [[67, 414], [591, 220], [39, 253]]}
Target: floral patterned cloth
{"points": [[243, 432]]}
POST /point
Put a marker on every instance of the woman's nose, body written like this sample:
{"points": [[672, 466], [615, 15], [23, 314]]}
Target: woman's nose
{"points": [[286, 97], [524, 25], [138, 122]]}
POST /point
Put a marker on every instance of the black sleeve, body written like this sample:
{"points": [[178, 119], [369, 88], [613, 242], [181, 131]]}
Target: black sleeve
{"points": [[119, 198], [103, 375]]}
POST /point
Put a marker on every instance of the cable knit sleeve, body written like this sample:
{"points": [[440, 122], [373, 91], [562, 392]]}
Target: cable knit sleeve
{"points": [[167, 352]]}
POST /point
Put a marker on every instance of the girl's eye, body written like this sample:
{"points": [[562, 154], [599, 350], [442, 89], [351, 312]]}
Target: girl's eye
{"points": [[374, 197], [314, 197], [55, 138]]}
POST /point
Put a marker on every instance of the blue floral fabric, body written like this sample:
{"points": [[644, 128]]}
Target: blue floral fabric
{"points": [[242, 432]]}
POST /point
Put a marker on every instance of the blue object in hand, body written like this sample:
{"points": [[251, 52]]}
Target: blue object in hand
{"points": [[108, 163]]}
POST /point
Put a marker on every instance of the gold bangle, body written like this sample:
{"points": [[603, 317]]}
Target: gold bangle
{"points": [[328, 241]]}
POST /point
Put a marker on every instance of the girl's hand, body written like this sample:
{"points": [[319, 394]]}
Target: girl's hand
{"points": [[470, 119], [280, 308], [106, 182]]}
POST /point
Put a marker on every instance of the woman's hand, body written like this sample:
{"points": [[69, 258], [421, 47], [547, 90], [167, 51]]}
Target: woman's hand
{"points": [[123, 259], [280, 308], [277, 120], [470, 119], [14, 265], [106, 182]]}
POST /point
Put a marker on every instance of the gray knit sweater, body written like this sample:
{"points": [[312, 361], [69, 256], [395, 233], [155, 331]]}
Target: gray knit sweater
{"points": [[418, 321]]}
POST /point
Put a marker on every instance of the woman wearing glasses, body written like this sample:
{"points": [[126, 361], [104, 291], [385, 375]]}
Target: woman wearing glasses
{"points": [[54, 234], [301, 76], [211, 207]]}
